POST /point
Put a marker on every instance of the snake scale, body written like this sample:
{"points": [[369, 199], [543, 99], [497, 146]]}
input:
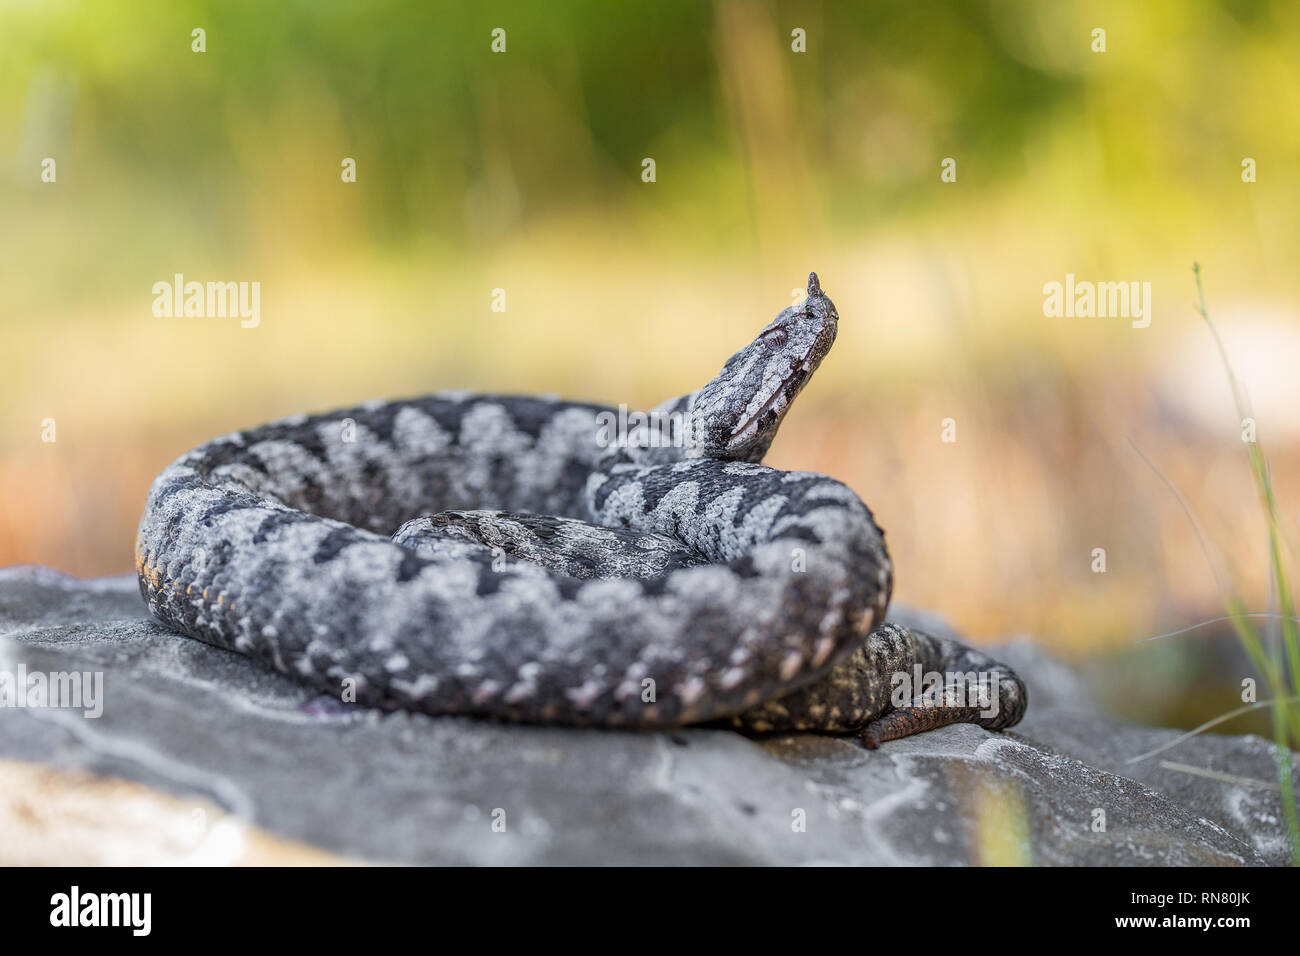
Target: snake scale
{"points": [[513, 557]]}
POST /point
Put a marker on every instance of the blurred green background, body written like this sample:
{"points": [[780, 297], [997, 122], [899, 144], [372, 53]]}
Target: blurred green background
{"points": [[522, 171]]}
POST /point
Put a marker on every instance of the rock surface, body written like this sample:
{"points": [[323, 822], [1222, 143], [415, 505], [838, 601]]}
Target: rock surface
{"points": [[210, 727]]}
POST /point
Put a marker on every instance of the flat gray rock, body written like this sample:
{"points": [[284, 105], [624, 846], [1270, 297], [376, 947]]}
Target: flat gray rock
{"points": [[196, 721]]}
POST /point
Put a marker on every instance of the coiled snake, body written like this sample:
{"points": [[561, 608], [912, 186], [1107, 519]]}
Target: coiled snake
{"points": [[535, 560]]}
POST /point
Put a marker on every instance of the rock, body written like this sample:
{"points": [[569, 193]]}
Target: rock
{"points": [[61, 818], [210, 727]]}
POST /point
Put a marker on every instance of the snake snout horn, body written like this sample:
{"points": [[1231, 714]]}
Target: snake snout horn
{"points": [[814, 287]]}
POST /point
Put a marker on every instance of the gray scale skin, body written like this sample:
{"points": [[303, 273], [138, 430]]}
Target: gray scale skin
{"points": [[489, 555]]}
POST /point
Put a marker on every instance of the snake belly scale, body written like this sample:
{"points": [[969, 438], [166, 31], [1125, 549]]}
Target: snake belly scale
{"points": [[502, 556]]}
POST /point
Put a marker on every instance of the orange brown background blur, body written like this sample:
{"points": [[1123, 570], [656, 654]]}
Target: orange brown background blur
{"points": [[522, 171]]}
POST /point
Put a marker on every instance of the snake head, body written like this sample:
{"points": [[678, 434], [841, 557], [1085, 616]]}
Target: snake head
{"points": [[737, 414]]}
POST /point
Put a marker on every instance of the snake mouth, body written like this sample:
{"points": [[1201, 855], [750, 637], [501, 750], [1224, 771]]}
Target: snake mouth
{"points": [[788, 388]]}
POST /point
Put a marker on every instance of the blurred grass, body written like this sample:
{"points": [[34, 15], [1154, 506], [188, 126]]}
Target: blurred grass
{"points": [[1285, 656], [522, 171]]}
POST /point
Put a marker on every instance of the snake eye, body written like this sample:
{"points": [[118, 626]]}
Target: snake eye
{"points": [[775, 338]]}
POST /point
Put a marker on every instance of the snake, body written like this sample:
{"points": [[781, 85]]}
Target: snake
{"points": [[546, 561]]}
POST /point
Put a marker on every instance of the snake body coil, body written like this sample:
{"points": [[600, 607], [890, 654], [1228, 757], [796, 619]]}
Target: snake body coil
{"points": [[506, 556]]}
